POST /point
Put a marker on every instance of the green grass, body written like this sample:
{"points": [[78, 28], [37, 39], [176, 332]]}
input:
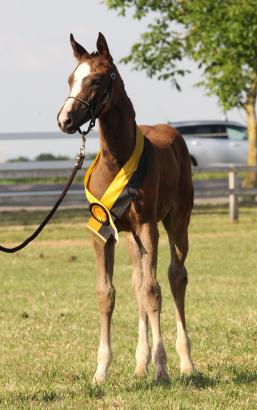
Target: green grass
{"points": [[56, 180], [213, 175], [49, 319], [78, 179], [34, 180]]}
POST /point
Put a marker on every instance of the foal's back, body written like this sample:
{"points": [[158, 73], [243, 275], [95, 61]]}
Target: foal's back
{"points": [[167, 140]]}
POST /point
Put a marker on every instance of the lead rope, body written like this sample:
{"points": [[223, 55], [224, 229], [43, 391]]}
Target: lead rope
{"points": [[78, 165]]}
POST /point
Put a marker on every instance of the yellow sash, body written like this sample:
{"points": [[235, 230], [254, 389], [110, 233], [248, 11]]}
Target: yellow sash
{"points": [[101, 220]]}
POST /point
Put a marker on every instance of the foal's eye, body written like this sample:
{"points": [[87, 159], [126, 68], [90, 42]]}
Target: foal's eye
{"points": [[96, 81]]}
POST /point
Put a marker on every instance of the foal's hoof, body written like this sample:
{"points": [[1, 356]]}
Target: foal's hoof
{"points": [[161, 374], [99, 378], [186, 368], [141, 371]]}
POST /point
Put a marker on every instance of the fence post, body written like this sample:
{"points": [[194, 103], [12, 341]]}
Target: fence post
{"points": [[233, 201]]}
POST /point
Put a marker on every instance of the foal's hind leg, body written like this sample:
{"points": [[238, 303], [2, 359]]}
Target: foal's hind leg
{"points": [[176, 227], [143, 352], [105, 293]]}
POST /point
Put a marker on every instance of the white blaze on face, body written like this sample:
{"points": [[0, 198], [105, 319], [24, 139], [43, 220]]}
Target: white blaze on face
{"points": [[82, 71]]}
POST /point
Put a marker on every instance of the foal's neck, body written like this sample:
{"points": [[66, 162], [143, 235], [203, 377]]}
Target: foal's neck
{"points": [[117, 130]]}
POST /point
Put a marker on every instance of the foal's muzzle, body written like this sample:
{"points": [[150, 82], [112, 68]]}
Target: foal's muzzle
{"points": [[66, 125], [70, 121]]}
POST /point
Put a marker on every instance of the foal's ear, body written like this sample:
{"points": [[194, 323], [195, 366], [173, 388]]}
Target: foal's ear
{"points": [[78, 50], [102, 47]]}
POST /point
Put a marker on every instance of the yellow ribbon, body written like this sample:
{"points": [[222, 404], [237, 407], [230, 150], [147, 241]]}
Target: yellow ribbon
{"points": [[115, 188]]}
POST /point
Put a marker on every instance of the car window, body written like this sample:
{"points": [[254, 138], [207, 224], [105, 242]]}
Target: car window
{"points": [[186, 130], [205, 131], [237, 133]]}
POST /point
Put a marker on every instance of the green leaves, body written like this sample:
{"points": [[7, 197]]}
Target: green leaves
{"points": [[220, 35]]}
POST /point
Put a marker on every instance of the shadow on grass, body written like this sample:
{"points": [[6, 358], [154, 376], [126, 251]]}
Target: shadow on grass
{"points": [[45, 396], [197, 380], [34, 216], [244, 377], [41, 397], [94, 391]]}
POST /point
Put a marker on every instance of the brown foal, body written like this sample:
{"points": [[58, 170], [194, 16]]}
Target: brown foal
{"points": [[166, 195]]}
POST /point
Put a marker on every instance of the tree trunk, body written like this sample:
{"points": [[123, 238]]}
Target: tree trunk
{"points": [[251, 119]]}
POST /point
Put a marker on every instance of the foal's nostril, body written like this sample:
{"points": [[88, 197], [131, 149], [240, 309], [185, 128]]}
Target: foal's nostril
{"points": [[68, 122]]}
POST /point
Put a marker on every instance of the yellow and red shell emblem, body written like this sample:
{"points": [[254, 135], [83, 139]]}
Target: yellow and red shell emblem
{"points": [[99, 213]]}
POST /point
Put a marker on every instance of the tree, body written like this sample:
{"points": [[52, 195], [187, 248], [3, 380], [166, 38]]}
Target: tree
{"points": [[221, 36], [19, 159], [50, 157]]}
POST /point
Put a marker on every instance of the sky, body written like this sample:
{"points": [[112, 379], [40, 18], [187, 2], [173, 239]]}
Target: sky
{"points": [[36, 59]]}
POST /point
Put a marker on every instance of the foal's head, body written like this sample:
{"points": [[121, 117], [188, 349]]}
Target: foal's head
{"points": [[92, 86]]}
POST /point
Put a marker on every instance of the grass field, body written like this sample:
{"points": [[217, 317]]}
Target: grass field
{"points": [[78, 179], [49, 319]]}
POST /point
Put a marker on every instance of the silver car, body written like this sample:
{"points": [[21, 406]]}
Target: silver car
{"points": [[214, 143]]}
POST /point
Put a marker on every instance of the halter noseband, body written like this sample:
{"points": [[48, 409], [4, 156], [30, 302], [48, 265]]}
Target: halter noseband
{"points": [[105, 97]]}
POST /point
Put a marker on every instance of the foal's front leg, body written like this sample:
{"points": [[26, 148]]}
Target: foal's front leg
{"points": [[105, 293], [151, 292]]}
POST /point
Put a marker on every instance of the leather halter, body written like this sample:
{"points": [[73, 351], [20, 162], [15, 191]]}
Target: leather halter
{"points": [[104, 98]]}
